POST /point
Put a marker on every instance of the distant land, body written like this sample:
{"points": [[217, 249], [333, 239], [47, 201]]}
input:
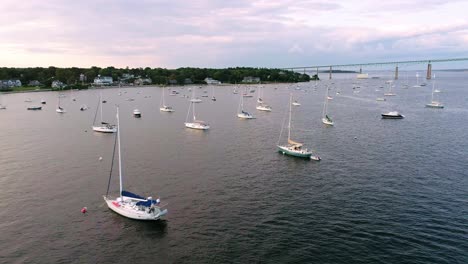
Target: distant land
{"points": [[453, 70], [23, 79]]}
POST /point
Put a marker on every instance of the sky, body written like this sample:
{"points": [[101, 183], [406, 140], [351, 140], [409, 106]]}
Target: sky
{"points": [[224, 33]]}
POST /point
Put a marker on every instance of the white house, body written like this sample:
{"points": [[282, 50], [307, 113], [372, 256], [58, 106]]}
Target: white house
{"points": [[103, 80], [211, 81], [57, 84]]}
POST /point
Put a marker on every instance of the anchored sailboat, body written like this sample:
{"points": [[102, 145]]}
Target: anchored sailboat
{"points": [[195, 124], [241, 113], [261, 105], [325, 118], [163, 107], [294, 148], [59, 109], [104, 127], [434, 103], [128, 204]]}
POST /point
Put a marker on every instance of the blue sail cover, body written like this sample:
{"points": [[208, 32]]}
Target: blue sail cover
{"points": [[146, 203], [132, 195]]}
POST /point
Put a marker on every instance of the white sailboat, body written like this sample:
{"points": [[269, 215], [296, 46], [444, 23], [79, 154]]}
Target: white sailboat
{"points": [[325, 118], [195, 99], [137, 113], [213, 98], [390, 86], [59, 109], [163, 107], [434, 103], [240, 111], [103, 127], [131, 205], [261, 105], [195, 124], [296, 103], [294, 148]]}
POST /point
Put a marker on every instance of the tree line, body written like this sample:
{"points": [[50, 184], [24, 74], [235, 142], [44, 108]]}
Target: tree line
{"points": [[71, 76]]}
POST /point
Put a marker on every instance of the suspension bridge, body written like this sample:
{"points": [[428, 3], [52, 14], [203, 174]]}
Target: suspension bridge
{"points": [[368, 64]]}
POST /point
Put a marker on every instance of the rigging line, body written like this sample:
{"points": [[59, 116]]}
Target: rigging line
{"points": [[282, 125], [95, 114], [112, 162]]}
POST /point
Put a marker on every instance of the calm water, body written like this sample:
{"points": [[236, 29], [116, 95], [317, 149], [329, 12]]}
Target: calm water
{"points": [[386, 191]]}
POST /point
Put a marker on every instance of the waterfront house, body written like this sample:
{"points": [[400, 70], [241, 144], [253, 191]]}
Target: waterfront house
{"points": [[103, 80], [57, 84]]}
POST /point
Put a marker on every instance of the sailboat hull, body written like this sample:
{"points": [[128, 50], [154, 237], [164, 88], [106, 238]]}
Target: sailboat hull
{"points": [[286, 150], [435, 105], [105, 129], [129, 210], [197, 126], [327, 122]]}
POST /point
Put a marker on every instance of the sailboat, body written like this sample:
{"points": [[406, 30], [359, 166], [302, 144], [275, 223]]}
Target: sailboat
{"points": [[417, 81], [241, 113], [296, 103], [294, 148], [261, 106], [163, 107], [103, 127], [129, 204], [59, 109], [434, 103], [213, 98], [195, 124], [195, 99], [325, 118], [390, 86]]}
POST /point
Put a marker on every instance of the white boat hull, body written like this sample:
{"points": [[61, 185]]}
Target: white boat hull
{"points": [[129, 210], [264, 108], [60, 111], [296, 104], [105, 129], [327, 122], [197, 126], [163, 109], [244, 116]]}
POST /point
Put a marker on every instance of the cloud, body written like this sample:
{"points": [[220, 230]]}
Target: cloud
{"points": [[207, 33]]}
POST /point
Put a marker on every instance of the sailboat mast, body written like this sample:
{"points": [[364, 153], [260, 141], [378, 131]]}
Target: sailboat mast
{"points": [[163, 99], [193, 108], [433, 85], [324, 112], [120, 154], [289, 124]]}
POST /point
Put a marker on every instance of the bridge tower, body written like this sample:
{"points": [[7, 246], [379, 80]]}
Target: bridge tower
{"points": [[396, 72], [429, 71]]}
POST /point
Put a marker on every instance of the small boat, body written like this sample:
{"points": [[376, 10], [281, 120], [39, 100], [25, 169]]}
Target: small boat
{"points": [[329, 98], [296, 103], [264, 107], [136, 113], [104, 101], [2, 107], [381, 99], [392, 115], [129, 204], [166, 108], [235, 92], [83, 107], [43, 101], [246, 95], [204, 95], [436, 91], [35, 108], [60, 110], [213, 98], [294, 148], [245, 115], [129, 99], [195, 124], [327, 120]]}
